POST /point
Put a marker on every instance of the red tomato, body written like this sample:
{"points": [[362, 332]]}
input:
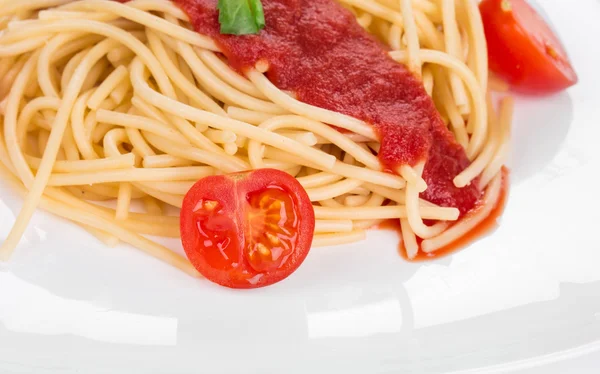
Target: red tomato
{"points": [[522, 48], [247, 230]]}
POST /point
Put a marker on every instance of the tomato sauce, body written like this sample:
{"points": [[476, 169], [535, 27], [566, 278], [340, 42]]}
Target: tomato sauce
{"points": [[488, 225], [316, 49]]}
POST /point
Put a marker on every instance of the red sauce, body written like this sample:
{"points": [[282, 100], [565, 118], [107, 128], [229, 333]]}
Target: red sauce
{"points": [[316, 49], [488, 225]]}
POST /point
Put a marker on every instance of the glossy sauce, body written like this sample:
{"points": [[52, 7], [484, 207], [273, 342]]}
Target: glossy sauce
{"points": [[485, 227], [316, 49]]}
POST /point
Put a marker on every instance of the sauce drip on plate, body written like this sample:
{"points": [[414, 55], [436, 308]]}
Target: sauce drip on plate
{"points": [[316, 49], [485, 227]]}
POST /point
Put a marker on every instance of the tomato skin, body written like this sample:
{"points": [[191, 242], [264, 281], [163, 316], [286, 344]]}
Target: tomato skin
{"points": [[222, 222], [523, 50]]}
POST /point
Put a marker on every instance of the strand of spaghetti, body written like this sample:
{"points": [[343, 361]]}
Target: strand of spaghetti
{"points": [[318, 179], [110, 31], [69, 146], [412, 37], [453, 48], [184, 173], [148, 110], [140, 147], [29, 110], [495, 165], [187, 129], [65, 166], [82, 133], [19, 7], [413, 177], [10, 125], [365, 20], [141, 123], [69, 69], [99, 234], [331, 203], [4, 156], [179, 79], [120, 55], [104, 225], [385, 212], [356, 138], [395, 37], [395, 195], [334, 136], [428, 80], [250, 116], [446, 100], [424, 6], [219, 88], [327, 240], [8, 79], [220, 136], [107, 86], [165, 7], [92, 77], [413, 212], [123, 202], [374, 200], [57, 48], [225, 163], [376, 9], [113, 140], [333, 190], [348, 171], [495, 84], [477, 42], [172, 106], [480, 126], [174, 188], [309, 111], [142, 223], [88, 193], [432, 37], [128, 11], [409, 239], [174, 200], [164, 161], [227, 74], [469, 222], [122, 210], [151, 205], [333, 226], [355, 200], [53, 15], [6, 64], [42, 140], [304, 137], [22, 46], [485, 157]]}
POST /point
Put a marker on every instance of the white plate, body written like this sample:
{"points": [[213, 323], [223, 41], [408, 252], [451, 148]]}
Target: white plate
{"points": [[526, 297]]}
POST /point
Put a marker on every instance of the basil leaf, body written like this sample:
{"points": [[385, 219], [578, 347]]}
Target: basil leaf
{"points": [[258, 13], [241, 17]]}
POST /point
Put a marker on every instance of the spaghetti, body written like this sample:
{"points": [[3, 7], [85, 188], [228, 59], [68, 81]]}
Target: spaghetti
{"points": [[105, 101]]}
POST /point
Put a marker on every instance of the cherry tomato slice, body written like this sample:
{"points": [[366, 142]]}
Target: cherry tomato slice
{"points": [[523, 50], [247, 230]]}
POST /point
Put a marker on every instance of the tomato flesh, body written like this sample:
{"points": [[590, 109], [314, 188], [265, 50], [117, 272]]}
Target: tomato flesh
{"points": [[247, 230], [523, 50]]}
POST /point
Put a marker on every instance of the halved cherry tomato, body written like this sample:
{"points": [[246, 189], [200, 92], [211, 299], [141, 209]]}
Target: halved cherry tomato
{"points": [[247, 230], [522, 48]]}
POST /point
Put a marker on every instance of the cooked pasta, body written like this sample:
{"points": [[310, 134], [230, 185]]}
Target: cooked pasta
{"points": [[106, 107]]}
